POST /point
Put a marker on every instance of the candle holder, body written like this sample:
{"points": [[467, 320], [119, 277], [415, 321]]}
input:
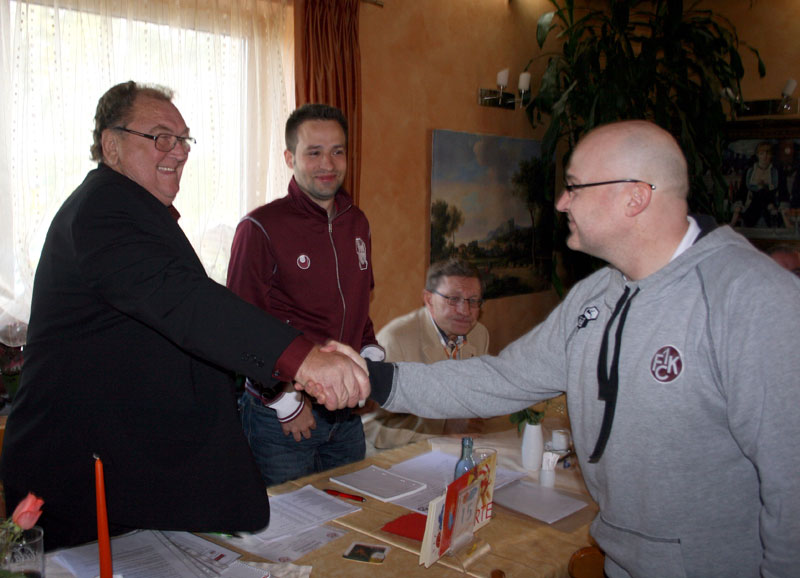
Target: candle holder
{"points": [[499, 98]]}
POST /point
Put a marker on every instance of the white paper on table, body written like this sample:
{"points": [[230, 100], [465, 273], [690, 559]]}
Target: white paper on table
{"points": [[540, 502], [265, 570], [288, 548], [139, 554], [211, 558], [380, 484], [301, 510], [436, 470], [242, 570], [275, 570]]}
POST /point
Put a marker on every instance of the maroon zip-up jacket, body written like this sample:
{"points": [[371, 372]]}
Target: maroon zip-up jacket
{"points": [[312, 273]]}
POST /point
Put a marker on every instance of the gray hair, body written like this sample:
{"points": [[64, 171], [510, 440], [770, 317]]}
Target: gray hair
{"points": [[115, 106]]}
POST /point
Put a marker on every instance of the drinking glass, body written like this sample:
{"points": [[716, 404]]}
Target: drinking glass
{"points": [[27, 555]]}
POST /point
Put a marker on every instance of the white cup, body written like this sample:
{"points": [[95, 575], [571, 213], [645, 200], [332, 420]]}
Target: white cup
{"points": [[559, 441]]}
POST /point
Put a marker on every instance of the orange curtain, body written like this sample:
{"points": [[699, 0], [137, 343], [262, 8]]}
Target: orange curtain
{"points": [[328, 68]]}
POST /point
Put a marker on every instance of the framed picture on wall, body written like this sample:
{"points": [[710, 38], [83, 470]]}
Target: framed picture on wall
{"points": [[762, 167], [487, 207]]}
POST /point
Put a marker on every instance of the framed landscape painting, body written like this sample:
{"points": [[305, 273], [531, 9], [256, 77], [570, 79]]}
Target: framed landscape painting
{"points": [[491, 205]]}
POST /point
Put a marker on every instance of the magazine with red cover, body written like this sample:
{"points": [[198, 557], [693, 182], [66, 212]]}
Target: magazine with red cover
{"points": [[465, 507]]}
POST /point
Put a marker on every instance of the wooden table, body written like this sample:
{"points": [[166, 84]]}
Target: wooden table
{"points": [[519, 545]]}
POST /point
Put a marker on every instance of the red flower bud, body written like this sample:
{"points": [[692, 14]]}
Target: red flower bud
{"points": [[27, 512]]}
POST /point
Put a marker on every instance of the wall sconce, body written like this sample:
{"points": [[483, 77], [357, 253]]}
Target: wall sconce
{"points": [[787, 104], [501, 99]]}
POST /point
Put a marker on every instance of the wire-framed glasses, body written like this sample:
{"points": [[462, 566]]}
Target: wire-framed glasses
{"points": [[473, 303], [572, 188], [163, 142]]}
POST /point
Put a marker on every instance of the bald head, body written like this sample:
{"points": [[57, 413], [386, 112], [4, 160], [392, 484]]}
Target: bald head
{"points": [[642, 150], [627, 204]]}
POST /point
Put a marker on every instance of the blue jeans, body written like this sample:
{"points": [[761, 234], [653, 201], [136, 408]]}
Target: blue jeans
{"points": [[280, 458]]}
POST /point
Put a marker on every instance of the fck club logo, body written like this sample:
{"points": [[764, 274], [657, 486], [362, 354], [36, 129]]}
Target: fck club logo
{"points": [[361, 251], [666, 365], [304, 262]]}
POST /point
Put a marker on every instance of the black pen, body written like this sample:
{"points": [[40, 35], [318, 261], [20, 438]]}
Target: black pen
{"points": [[343, 495]]}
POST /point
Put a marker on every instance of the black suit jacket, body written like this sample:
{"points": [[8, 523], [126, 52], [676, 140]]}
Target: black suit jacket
{"points": [[130, 355]]}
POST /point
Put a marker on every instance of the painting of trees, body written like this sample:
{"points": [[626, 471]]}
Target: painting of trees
{"points": [[445, 221], [534, 185], [492, 204]]}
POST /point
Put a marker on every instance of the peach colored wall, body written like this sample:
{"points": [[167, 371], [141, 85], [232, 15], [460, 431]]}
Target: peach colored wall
{"points": [[773, 27], [422, 63]]}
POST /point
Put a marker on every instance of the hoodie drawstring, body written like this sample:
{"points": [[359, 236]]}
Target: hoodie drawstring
{"points": [[608, 384]]}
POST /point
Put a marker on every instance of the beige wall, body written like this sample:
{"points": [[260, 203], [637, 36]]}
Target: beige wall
{"points": [[422, 64], [773, 27]]}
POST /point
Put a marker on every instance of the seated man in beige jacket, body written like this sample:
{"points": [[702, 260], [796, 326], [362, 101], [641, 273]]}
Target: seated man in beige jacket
{"points": [[446, 327]]}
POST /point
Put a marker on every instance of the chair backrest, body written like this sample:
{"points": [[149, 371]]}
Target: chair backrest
{"points": [[587, 563]]}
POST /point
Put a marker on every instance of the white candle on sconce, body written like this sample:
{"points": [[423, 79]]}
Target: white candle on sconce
{"points": [[502, 78], [789, 87], [524, 82]]}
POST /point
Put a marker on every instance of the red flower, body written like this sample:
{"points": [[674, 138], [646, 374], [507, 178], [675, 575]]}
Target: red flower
{"points": [[27, 512]]}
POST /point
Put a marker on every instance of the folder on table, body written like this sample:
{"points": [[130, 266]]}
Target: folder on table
{"points": [[379, 483]]}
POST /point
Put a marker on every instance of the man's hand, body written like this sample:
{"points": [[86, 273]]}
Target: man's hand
{"points": [[332, 345], [301, 425], [334, 378]]}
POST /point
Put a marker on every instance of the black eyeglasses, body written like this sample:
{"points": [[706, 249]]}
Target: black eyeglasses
{"points": [[163, 142], [456, 301], [572, 188]]}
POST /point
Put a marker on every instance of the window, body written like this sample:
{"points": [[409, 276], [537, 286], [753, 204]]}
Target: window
{"points": [[230, 64]]}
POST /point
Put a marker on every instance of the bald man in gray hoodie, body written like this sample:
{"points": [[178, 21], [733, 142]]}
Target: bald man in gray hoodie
{"points": [[679, 364]]}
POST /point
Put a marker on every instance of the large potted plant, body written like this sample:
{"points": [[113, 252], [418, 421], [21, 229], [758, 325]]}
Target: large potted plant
{"points": [[676, 65]]}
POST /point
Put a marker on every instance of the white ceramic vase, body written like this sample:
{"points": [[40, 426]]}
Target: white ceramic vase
{"points": [[532, 447]]}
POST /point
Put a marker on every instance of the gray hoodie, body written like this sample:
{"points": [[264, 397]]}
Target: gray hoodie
{"points": [[701, 472]]}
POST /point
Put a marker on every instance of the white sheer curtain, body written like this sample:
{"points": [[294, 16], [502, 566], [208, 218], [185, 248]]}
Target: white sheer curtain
{"points": [[230, 63]]}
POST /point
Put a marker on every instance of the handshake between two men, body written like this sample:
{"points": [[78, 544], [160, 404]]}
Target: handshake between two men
{"points": [[335, 374]]}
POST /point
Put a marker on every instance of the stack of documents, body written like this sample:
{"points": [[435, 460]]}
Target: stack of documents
{"points": [[380, 484], [295, 528], [154, 554], [295, 525]]}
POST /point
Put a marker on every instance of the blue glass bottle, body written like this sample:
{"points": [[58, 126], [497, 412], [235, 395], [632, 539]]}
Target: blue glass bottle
{"points": [[466, 462]]}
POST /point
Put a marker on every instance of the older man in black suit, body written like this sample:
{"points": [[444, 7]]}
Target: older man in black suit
{"points": [[132, 349]]}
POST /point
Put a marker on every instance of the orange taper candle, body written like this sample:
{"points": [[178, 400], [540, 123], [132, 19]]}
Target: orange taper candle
{"points": [[103, 540]]}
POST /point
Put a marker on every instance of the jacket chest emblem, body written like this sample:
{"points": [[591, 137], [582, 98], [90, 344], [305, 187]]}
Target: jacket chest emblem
{"points": [[361, 251], [666, 365], [303, 262], [589, 314]]}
